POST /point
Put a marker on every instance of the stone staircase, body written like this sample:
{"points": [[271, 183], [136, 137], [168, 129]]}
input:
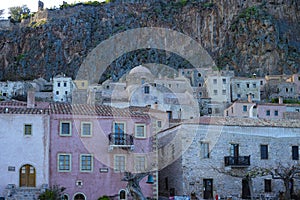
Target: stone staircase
{"points": [[12, 192]]}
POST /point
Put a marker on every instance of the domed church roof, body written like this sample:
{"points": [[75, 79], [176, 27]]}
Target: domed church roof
{"points": [[140, 69]]}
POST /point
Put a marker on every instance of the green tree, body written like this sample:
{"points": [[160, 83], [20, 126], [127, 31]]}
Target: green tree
{"points": [[53, 193], [18, 12]]}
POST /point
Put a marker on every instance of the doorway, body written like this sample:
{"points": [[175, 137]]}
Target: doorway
{"points": [[245, 189], [79, 196], [208, 188], [27, 176]]}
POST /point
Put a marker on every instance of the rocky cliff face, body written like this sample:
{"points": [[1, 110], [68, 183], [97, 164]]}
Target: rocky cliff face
{"points": [[258, 36]]}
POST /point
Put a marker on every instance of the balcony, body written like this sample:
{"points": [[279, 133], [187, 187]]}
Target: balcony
{"points": [[237, 161], [120, 140]]}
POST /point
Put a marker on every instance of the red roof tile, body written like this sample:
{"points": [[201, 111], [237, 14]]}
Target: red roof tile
{"points": [[86, 109]]}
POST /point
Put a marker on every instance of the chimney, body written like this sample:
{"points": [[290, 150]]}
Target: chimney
{"points": [[155, 106], [250, 98], [280, 100], [30, 98]]}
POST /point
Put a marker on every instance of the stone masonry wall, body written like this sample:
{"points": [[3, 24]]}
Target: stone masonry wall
{"points": [[220, 138]]}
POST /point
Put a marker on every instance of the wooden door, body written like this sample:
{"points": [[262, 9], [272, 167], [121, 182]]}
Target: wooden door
{"points": [[27, 176], [245, 189]]}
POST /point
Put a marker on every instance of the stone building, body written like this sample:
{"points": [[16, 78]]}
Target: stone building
{"points": [[295, 78], [10, 89], [192, 154], [210, 87], [242, 87], [285, 86]]}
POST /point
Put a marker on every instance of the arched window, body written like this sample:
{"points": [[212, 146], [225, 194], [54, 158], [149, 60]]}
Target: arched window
{"points": [[122, 194], [65, 197], [79, 196]]}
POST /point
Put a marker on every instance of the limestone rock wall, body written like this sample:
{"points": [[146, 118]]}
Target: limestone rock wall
{"points": [[260, 36]]}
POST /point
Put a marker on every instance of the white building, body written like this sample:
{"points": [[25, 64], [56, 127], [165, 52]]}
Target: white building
{"points": [[140, 87], [24, 141], [62, 88]]}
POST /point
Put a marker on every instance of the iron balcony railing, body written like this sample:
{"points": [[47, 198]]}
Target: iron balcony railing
{"points": [[238, 161], [120, 139]]}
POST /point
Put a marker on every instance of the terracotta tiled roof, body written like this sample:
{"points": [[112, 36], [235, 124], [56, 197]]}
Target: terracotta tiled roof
{"points": [[230, 121], [144, 109], [86, 109], [13, 107], [23, 110], [13, 104]]}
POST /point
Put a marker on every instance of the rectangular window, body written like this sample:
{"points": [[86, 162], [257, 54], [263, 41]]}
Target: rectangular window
{"points": [[204, 150], [140, 130], [276, 112], [140, 163], [86, 128], [119, 127], [215, 81], [65, 84], [215, 92], [264, 151], [58, 84], [244, 108], [234, 150], [27, 129], [268, 185], [119, 163], [224, 92], [254, 85], [268, 112], [238, 95], [166, 183], [295, 152], [159, 124], [209, 110], [146, 89], [64, 162], [86, 163], [224, 80], [170, 116], [248, 85], [65, 128], [238, 85]]}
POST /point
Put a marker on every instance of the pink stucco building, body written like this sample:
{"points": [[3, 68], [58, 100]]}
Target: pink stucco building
{"points": [[270, 110], [92, 146], [255, 110]]}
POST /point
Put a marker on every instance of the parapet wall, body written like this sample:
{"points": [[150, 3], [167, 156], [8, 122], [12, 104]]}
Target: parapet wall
{"points": [[6, 25]]}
